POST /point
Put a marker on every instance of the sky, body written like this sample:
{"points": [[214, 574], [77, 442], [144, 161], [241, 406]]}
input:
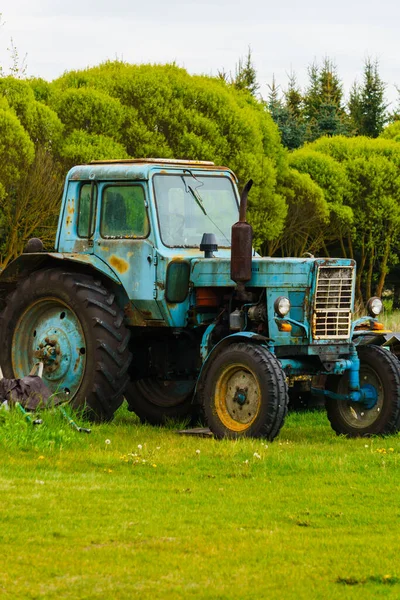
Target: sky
{"points": [[206, 37]]}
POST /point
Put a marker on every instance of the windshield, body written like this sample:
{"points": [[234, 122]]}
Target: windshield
{"points": [[190, 205]]}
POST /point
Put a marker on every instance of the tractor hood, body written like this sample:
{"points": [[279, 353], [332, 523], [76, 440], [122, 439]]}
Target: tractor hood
{"points": [[320, 291], [266, 272]]}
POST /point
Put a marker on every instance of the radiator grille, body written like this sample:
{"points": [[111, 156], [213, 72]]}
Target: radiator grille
{"points": [[333, 298]]}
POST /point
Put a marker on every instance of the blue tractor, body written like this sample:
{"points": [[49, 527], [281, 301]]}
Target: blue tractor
{"points": [[153, 293]]}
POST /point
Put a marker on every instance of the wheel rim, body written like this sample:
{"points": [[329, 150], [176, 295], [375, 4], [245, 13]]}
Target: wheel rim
{"points": [[237, 397], [50, 331], [357, 414]]}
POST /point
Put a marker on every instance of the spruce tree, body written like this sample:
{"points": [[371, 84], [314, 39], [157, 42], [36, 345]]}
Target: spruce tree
{"points": [[367, 106], [287, 113], [246, 75], [323, 108]]}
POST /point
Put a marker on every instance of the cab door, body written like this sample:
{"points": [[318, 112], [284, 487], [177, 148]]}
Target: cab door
{"points": [[123, 239]]}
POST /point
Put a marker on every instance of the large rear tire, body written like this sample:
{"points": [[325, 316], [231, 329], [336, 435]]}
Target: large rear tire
{"points": [[156, 401], [380, 369], [72, 323], [245, 393]]}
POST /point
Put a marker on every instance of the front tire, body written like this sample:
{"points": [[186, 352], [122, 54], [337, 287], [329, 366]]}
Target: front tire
{"points": [[245, 393], [72, 323], [378, 368]]}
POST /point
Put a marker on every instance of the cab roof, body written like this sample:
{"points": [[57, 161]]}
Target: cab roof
{"points": [[139, 168], [168, 161]]}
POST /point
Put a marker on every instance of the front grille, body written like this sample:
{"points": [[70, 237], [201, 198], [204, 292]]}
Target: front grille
{"points": [[333, 298]]}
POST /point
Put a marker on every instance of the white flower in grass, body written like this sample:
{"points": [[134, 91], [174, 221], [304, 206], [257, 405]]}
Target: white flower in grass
{"points": [[197, 451], [140, 446], [256, 455], [107, 442]]}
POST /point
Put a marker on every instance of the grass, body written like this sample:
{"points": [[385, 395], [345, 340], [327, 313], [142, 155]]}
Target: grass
{"points": [[391, 319], [153, 514]]}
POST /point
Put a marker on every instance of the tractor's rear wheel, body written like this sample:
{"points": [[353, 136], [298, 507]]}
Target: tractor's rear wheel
{"points": [[245, 393], [380, 370], [71, 323], [156, 401]]}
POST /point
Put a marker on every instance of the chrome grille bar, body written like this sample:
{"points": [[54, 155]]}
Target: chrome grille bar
{"points": [[333, 302]]}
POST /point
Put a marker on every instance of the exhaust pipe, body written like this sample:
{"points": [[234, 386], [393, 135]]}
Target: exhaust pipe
{"points": [[242, 244]]}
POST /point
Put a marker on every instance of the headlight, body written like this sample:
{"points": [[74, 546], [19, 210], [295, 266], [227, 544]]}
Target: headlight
{"points": [[374, 306], [282, 306]]}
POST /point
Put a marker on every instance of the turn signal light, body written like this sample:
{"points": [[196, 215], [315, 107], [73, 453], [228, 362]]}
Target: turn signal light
{"points": [[284, 327], [377, 326]]}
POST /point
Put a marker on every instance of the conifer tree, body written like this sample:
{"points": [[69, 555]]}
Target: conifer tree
{"points": [[367, 106], [323, 108], [246, 75]]}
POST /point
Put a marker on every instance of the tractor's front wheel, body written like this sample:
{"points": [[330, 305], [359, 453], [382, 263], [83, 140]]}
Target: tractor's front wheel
{"points": [[380, 371], [71, 323], [245, 393]]}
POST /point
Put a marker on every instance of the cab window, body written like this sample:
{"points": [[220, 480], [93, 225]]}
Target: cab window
{"points": [[84, 210], [123, 212]]}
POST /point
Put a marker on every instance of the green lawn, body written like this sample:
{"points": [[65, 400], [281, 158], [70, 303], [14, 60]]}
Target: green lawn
{"points": [[153, 514]]}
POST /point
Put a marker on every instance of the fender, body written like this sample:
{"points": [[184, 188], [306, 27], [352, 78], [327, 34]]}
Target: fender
{"points": [[248, 336], [29, 262]]}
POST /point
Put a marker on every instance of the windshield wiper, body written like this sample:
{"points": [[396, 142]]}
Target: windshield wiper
{"points": [[198, 199]]}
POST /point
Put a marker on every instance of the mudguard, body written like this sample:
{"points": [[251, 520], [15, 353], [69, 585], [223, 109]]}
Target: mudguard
{"points": [[27, 263]]}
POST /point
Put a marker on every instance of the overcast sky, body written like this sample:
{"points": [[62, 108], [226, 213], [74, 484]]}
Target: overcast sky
{"points": [[204, 37]]}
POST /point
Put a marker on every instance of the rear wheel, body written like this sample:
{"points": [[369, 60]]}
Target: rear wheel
{"points": [[156, 401], [72, 324], [380, 370], [245, 393]]}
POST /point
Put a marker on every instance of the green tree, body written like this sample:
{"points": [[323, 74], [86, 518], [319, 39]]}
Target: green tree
{"points": [[331, 178], [16, 148], [246, 75], [32, 205], [39, 121], [307, 212], [287, 114], [367, 106], [323, 108], [90, 110], [372, 168], [392, 132], [82, 147]]}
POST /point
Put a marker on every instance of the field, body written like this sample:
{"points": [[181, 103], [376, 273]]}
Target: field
{"points": [[132, 511]]}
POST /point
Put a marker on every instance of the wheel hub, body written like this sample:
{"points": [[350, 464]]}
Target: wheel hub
{"points": [[370, 395], [49, 331], [238, 397], [49, 354]]}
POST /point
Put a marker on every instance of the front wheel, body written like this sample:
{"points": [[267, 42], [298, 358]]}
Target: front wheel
{"points": [[245, 393], [381, 370]]}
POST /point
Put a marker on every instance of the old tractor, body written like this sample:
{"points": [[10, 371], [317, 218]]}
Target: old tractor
{"points": [[153, 293]]}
